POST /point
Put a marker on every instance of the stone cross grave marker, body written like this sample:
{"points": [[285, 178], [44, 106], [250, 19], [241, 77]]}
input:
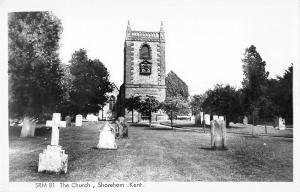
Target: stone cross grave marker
{"points": [[207, 119], [78, 120], [53, 158], [55, 124], [218, 134]]}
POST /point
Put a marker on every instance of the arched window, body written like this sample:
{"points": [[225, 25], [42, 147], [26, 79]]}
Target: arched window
{"points": [[145, 52]]}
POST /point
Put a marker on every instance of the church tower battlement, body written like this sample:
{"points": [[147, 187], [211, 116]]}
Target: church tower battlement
{"points": [[144, 63]]}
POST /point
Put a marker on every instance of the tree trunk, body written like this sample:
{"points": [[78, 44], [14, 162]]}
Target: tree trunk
{"points": [[132, 116], [28, 127], [150, 118], [172, 119], [266, 130], [252, 124]]}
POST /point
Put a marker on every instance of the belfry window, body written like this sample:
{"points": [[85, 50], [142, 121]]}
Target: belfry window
{"points": [[145, 52]]}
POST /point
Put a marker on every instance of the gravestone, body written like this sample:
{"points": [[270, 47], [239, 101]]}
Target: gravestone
{"points": [[215, 117], [245, 120], [280, 123], [218, 134], [68, 121], [221, 118], [107, 137], [207, 119], [53, 158], [78, 120], [121, 128], [28, 127]]}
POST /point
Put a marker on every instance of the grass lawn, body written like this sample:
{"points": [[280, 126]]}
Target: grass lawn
{"points": [[154, 154]]}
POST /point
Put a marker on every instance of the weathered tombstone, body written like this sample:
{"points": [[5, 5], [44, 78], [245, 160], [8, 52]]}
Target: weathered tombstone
{"points": [[215, 117], [68, 121], [78, 120], [245, 120], [221, 118], [28, 127], [121, 128], [218, 134], [280, 123], [54, 159], [107, 137], [207, 119]]}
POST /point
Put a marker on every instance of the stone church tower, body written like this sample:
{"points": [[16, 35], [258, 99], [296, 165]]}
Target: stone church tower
{"points": [[144, 65]]}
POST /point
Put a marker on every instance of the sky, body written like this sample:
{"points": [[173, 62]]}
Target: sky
{"points": [[205, 40]]}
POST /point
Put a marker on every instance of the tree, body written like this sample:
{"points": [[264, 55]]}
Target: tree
{"points": [[196, 103], [33, 67], [133, 103], [223, 101], [280, 92], [149, 105], [285, 102], [90, 84], [66, 84], [175, 106], [176, 87], [255, 80]]}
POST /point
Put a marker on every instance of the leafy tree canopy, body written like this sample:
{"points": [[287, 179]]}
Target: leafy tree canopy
{"points": [[223, 101], [34, 66], [90, 83], [176, 105], [255, 79], [196, 103]]}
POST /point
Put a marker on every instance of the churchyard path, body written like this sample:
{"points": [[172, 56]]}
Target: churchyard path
{"points": [[154, 154]]}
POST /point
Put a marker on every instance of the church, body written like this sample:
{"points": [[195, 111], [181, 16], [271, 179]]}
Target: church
{"points": [[144, 68]]}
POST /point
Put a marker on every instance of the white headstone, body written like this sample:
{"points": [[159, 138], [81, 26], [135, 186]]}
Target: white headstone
{"points": [[280, 123], [215, 117], [78, 120], [107, 137], [221, 118], [207, 119], [245, 120]]}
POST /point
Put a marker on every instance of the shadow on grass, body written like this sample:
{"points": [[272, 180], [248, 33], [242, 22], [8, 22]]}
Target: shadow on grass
{"points": [[160, 129], [247, 135], [96, 148], [40, 131], [214, 148]]}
